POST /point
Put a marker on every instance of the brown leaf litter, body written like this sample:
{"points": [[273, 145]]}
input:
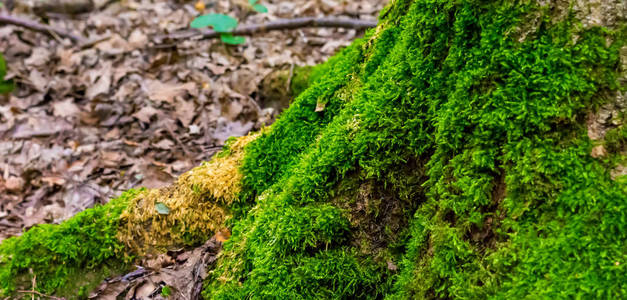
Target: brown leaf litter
{"points": [[85, 124]]}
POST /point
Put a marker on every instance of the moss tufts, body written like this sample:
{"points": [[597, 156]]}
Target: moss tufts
{"points": [[68, 257], [192, 208], [491, 98]]}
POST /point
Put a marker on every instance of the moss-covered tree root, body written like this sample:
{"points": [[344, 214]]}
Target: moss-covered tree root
{"points": [[461, 149], [71, 258], [444, 155]]}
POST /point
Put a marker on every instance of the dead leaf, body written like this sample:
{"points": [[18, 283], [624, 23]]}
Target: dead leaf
{"points": [[101, 85], [38, 58], [14, 184], [216, 69], [167, 92], [65, 108], [38, 80], [320, 106], [112, 134], [112, 158], [50, 213], [164, 144], [155, 177], [233, 110], [115, 45], [39, 127], [137, 39], [67, 60], [156, 263], [598, 151], [53, 180], [78, 198], [194, 129], [145, 113], [223, 235], [185, 111]]}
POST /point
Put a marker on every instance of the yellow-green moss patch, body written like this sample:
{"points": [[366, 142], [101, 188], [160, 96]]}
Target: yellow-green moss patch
{"points": [[189, 210]]}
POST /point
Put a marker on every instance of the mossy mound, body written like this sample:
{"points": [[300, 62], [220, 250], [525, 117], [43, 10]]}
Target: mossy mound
{"points": [[461, 149], [66, 259], [71, 258], [444, 155]]}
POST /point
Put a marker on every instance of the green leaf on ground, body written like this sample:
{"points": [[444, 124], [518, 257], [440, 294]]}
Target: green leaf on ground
{"points": [[232, 39], [260, 8], [162, 209], [219, 22], [5, 86], [3, 67]]}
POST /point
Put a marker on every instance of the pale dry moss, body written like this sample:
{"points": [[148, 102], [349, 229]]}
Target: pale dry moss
{"points": [[220, 178], [197, 204]]}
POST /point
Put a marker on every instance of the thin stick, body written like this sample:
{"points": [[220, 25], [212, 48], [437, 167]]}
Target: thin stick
{"points": [[288, 85], [39, 294], [274, 25], [39, 27]]}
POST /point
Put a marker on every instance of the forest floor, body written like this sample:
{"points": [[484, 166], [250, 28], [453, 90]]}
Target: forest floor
{"points": [[85, 124]]}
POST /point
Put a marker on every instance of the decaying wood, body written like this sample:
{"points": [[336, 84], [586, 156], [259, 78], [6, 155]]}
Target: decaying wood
{"points": [[274, 25]]}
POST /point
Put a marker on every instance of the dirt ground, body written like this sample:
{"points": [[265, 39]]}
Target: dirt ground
{"points": [[85, 124]]}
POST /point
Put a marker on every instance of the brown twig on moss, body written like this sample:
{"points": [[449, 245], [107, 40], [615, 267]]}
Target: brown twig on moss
{"points": [[270, 26], [42, 28]]}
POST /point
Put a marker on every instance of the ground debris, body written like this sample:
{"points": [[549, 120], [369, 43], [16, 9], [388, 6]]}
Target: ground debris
{"points": [[183, 271], [85, 124]]}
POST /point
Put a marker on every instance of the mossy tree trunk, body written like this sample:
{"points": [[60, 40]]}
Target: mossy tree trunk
{"points": [[462, 149]]}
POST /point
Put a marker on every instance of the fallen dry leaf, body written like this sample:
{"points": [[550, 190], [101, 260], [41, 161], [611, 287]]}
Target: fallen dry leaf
{"points": [[166, 92], [40, 127], [185, 111], [38, 80], [38, 58], [14, 184], [65, 108], [145, 113], [100, 83], [52, 180]]}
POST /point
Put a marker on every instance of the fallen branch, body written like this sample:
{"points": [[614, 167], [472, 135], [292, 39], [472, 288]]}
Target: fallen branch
{"points": [[274, 25], [39, 27], [204, 34]]}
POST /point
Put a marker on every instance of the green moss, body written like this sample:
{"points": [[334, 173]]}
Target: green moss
{"points": [[616, 139], [443, 155], [279, 88], [302, 79], [5, 86], [68, 259], [166, 291], [505, 202]]}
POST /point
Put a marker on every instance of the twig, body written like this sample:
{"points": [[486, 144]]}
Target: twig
{"points": [[274, 25], [88, 43], [39, 27], [39, 294], [288, 84]]}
